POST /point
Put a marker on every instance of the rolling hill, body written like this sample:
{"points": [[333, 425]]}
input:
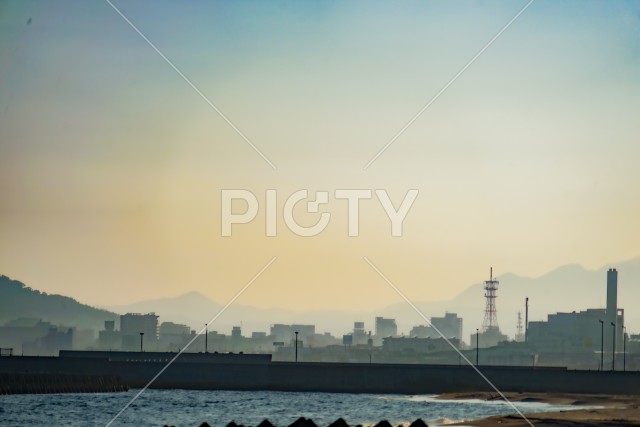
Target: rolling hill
{"points": [[18, 300]]}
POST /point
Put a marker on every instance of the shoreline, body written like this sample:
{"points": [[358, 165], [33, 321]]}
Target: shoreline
{"points": [[599, 410]]}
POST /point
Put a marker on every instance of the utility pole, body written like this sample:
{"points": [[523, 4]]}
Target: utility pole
{"points": [[141, 335], [296, 346], [206, 338], [601, 345], [477, 346], [526, 319], [624, 349], [613, 353]]}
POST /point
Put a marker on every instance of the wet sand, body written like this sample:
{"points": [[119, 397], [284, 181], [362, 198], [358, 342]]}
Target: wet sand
{"points": [[600, 410]]}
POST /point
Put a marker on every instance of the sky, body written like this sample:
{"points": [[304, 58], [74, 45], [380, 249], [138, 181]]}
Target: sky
{"points": [[112, 167]]}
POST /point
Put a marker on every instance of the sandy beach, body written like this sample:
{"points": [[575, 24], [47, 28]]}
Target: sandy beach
{"points": [[600, 410]]}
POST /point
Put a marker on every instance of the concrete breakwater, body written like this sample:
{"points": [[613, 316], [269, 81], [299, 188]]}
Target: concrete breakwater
{"points": [[258, 372], [308, 422], [41, 383]]}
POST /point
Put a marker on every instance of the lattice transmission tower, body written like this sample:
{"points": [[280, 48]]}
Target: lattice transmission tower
{"points": [[490, 293], [519, 329]]}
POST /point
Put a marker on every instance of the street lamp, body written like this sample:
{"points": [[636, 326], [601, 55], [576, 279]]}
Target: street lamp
{"points": [[601, 345], [624, 348], [206, 338], [141, 335], [613, 353], [526, 319], [296, 346], [477, 346]]}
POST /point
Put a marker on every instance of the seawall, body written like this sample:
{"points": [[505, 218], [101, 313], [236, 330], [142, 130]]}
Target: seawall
{"points": [[42, 383], [247, 372]]}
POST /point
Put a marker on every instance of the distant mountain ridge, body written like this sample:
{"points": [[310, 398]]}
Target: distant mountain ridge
{"points": [[567, 288], [195, 309], [17, 300]]}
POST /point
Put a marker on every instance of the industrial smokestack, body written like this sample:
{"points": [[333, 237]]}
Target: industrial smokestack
{"points": [[612, 304], [612, 293]]}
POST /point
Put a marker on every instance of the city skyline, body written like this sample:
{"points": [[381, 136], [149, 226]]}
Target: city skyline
{"points": [[564, 337], [574, 288]]}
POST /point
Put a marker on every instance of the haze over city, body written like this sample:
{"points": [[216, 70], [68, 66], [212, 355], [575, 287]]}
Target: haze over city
{"points": [[317, 213], [111, 166]]}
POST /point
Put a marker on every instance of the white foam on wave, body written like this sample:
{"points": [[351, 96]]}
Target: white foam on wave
{"points": [[444, 421]]}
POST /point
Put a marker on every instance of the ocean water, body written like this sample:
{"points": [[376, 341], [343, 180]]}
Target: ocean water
{"points": [[218, 408]]}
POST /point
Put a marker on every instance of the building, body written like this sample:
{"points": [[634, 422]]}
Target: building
{"points": [[450, 326], [168, 329], [359, 334], [422, 331], [109, 338], [584, 331], [236, 332], [489, 338], [567, 332], [386, 328], [322, 340], [173, 336], [418, 345], [52, 342], [138, 328], [286, 333], [22, 332]]}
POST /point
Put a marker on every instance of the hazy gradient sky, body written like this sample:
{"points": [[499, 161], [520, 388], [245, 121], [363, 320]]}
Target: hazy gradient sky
{"points": [[111, 166]]}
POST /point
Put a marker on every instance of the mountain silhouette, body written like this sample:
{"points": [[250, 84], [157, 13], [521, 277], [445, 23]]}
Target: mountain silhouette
{"points": [[18, 300], [565, 289]]}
